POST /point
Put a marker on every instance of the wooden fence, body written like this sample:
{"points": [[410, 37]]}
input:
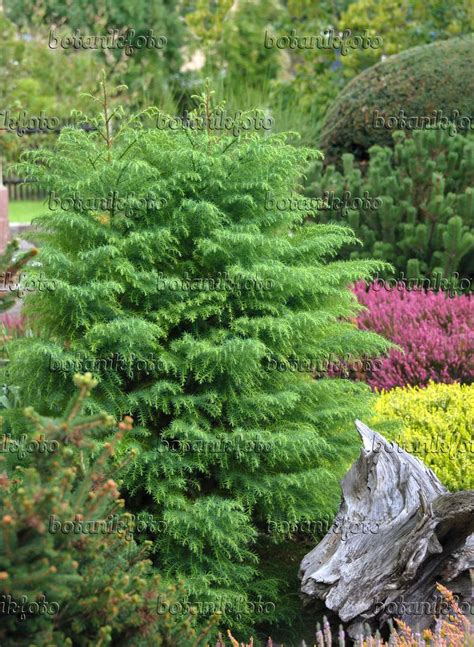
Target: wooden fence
{"points": [[19, 189]]}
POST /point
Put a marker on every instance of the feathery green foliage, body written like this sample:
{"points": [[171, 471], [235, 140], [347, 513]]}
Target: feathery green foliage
{"points": [[194, 295]]}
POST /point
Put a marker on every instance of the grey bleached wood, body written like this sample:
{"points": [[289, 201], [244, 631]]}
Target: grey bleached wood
{"points": [[416, 533]]}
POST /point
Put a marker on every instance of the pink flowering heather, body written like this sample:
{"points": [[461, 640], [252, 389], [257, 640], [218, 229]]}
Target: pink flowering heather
{"points": [[435, 331], [12, 321]]}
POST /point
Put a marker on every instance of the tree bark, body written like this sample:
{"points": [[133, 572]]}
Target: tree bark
{"points": [[402, 532]]}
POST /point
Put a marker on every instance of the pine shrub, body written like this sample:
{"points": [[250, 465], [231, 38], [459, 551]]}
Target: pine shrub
{"points": [[434, 333], [434, 423], [195, 289], [412, 206], [70, 570]]}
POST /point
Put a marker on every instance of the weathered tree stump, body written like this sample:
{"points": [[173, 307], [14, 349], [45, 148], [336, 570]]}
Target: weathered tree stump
{"points": [[414, 533]]}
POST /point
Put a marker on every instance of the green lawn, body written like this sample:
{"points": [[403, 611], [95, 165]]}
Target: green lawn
{"points": [[25, 210]]}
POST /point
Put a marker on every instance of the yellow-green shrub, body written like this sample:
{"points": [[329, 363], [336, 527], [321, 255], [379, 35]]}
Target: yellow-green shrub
{"points": [[436, 424]]}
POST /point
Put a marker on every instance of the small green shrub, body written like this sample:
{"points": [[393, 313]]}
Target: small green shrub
{"points": [[71, 572], [434, 423], [180, 300]]}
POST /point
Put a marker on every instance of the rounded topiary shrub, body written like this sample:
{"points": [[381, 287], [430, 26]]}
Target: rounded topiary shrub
{"points": [[439, 76]]}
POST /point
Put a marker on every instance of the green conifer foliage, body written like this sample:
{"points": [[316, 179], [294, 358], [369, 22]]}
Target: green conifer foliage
{"points": [[70, 570], [198, 290], [423, 223]]}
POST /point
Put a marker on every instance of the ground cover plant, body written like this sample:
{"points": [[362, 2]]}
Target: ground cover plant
{"points": [[434, 332], [180, 301], [434, 423]]}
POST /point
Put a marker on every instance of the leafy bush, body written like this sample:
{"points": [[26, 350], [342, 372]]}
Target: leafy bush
{"points": [[195, 287], [149, 72], [409, 81], [413, 207], [435, 334], [230, 39], [87, 587], [434, 423], [29, 73]]}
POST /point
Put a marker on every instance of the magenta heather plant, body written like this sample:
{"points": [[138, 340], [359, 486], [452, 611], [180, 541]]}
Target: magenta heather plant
{"points": [[435, 331], [12, 321]]}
